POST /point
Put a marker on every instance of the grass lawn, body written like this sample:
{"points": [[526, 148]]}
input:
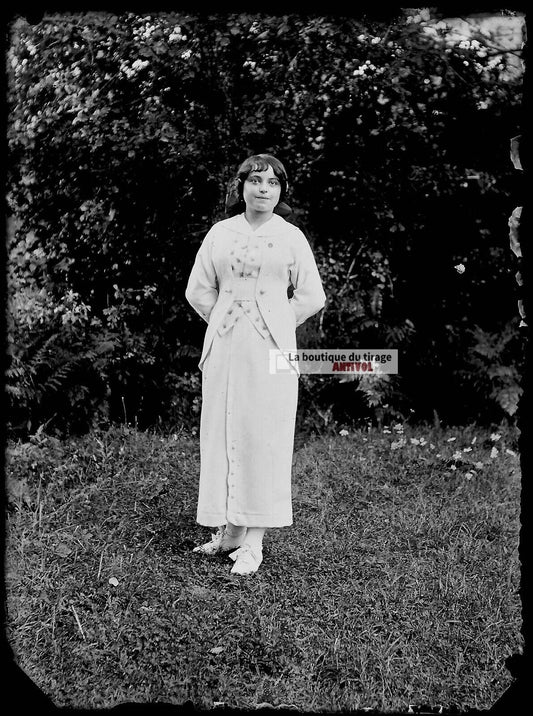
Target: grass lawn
{"points": [[396, 585]]}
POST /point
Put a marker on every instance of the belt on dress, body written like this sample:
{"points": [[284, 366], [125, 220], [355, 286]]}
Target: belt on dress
{"points": [[244, 289]]}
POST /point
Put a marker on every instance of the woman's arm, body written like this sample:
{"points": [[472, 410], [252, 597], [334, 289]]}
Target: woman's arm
{"points": [[309, 296], [202, 287]]}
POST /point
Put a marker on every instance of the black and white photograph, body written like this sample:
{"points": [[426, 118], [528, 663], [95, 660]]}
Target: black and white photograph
{"points": [[266, 339]]}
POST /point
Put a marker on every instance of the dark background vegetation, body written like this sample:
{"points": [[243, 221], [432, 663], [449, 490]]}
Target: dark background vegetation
{"points": [[123, 131]]}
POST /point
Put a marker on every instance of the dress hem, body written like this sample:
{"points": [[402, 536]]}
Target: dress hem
{"points": [[220, 520]]}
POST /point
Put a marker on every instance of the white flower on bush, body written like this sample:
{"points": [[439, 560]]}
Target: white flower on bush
{"points": [[147, 31], [494, 453], [139, 64], [175, 34], [343, 432], [136, 66], [460, 268], [362, 69], [495, 437], [126, 70]]}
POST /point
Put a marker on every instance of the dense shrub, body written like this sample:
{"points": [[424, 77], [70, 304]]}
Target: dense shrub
{"points": [[123, 130]]}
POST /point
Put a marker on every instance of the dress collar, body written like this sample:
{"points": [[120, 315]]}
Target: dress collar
{"points": [[274, 226]]}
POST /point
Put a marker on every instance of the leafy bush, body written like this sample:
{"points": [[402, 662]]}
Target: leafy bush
{"points": [[124, 129]]}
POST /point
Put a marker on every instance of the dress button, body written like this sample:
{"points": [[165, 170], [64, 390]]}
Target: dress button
{"points": [[270, 246], [262, 291]]}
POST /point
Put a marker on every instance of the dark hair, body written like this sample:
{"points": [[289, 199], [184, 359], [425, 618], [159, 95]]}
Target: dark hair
{"points": [[256, 163]]}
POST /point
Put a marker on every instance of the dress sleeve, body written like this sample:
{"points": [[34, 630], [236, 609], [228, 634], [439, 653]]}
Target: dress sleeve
{"points": [[309, 296], [202, 287]]}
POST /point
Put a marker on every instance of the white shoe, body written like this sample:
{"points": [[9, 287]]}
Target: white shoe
{"points": [[247, 560], [220, 542]]}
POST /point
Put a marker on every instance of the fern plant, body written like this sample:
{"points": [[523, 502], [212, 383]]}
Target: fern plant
{"points": [[494, 364], [56, 366]]}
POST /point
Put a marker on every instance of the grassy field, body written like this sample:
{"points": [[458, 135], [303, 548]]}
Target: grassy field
{"points": [[396, 585]]}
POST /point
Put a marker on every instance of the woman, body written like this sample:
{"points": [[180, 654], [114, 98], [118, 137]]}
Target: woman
{"points": [[239, 284]]}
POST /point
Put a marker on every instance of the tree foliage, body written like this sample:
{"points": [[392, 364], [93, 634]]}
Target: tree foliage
{"points": [[124, 129]]}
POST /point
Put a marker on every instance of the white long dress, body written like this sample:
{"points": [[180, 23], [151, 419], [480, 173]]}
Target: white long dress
{"points": [[248, 413]]}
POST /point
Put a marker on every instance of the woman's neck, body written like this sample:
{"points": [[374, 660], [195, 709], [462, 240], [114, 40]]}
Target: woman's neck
{"points": [[257, 218]]}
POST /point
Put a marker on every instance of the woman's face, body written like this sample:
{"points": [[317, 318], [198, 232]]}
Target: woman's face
{"points": [[261, 190]]}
